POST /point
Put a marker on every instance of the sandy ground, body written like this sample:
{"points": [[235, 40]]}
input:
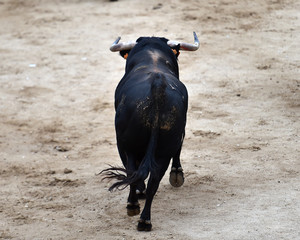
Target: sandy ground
{"points": [[241, 153]]}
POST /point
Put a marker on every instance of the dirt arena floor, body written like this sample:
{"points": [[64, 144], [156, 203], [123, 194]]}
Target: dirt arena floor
{"points": [[241, 152]]}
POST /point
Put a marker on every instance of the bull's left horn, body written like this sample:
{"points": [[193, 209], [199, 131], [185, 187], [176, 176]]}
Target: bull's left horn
{"points": [[186, 46], [116, 46]]}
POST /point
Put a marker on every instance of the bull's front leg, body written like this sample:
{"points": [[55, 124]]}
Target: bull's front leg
{"points": [[176, 175]]}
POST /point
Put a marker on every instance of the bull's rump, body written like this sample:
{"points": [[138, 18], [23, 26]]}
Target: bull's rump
{"points": [[137, 114]]}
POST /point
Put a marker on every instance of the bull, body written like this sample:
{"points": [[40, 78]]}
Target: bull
{"points": [[151, 105]]}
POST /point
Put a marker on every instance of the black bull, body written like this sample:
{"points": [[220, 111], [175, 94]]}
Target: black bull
{"points": [[151, 105]]}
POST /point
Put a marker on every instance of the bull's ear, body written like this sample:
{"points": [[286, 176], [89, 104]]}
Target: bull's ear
{"points": [[176, 50], [124, 53]]}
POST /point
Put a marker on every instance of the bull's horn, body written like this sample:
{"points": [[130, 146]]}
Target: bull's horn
{"points": [[186, 46], [116, 46]]}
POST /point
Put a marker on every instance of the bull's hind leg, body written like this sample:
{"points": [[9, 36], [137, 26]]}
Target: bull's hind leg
{"points": [[144, 223], [176, 175], [133, 207], [141, 190]]}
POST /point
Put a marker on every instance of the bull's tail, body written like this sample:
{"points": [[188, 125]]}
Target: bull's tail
{"points": [[125, 177], [148, 164]]}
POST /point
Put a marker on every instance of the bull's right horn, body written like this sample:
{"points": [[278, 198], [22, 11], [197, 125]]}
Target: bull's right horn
{"points": [[116, 46], [186, 46]]}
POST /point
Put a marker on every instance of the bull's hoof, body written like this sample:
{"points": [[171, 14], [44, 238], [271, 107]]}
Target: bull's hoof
{"points": [[133, 209], [144, 225], [176, 177]]}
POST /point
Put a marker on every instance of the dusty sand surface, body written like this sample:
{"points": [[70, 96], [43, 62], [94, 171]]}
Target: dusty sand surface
{"points": [[241, 152]]}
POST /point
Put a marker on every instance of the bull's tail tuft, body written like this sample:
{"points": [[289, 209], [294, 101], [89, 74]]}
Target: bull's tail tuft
{"points": [[118, 173], [125, 177]]}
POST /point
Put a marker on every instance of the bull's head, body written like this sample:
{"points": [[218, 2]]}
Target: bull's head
{"points": [[124, 48]]}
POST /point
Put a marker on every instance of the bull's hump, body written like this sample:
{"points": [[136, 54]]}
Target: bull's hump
{"points": [[158, 61], [155, 56]]}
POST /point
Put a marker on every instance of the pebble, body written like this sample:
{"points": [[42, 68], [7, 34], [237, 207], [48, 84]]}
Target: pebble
{"points": [[67, 171]]}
